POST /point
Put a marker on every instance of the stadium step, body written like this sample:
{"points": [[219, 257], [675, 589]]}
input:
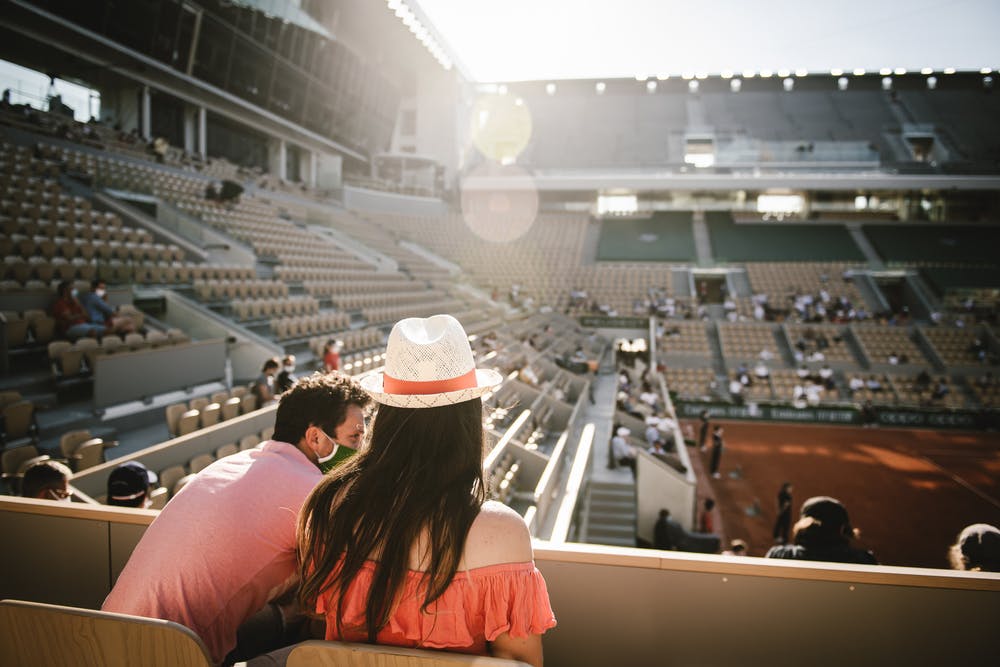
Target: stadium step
{"points": [[610, 514]]}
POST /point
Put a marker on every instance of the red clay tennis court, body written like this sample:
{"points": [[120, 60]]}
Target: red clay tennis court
{"points": [[910, 492]]}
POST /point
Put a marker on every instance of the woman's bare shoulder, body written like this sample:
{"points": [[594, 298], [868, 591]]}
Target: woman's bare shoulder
{"points": [[498, 535]]}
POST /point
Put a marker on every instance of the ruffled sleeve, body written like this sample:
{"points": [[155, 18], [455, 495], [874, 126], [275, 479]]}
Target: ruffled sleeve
{"points": [[515, 601], [477, 606]]}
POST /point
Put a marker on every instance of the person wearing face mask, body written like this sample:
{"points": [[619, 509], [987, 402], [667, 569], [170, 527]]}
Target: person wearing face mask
{"points": [[70, 315], [47, 480], [285, 378], [99, 312], [222, 551]]}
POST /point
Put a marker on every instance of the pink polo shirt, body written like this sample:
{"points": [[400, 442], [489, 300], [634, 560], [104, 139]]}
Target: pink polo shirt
{"points": [[222, 547]]}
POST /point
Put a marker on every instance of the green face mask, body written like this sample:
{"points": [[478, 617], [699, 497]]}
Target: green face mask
{"points": [[339, 454]]}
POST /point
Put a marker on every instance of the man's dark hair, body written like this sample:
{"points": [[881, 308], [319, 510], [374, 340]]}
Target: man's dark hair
{"points": [[271, 363], [318, 400], [42, 476], [95, 282]]}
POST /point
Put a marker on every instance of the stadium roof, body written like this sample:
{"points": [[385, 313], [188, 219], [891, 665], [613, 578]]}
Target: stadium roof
{"points": [[567, 39]]}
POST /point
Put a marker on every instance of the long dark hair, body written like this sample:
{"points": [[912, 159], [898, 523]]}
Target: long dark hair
{"points": [[421, 473]]}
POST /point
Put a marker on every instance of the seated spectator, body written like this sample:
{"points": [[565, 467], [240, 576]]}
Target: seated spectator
{"points": [[802, 372], [736, 390], [737, 547], [873, 384], [977, 548], [855, 384], [761, 370], [706, 521], [99, 312], [893, 359], [941, 389], [71, 318], [331, 355], [130, 485], [47, 480], [667, 533], [224, 547], [263, 386], [622, 450], [823, 533], [923, 379], [386, 565], [286, 377]]}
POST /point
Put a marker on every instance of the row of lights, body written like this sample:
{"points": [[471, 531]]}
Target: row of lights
{"points": [[419, 31], [787, 81]]}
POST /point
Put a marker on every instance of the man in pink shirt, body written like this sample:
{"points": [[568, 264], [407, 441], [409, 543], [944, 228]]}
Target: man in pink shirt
{"points": [[224, 546]]}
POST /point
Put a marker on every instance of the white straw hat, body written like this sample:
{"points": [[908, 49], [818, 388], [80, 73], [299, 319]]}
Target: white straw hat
{"points": [[428, 363]]}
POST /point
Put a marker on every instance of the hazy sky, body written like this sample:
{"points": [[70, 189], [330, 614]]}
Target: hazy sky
{"points": [[509, 40]]}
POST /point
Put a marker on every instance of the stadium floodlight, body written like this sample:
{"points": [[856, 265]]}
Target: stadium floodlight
{"points": [[749, 74], [784, 73], [860, 203], [927, 70], [886, 83], [650, 87], [775, 204], [950, 70], [735, 85], [842, 83], [693, 86], [931, 82], [550, 88], [985, 70], [801, 72], [701, 76], [836, 72], [726, 74], [987, 82], [662, 77], [788, 84], [600, 87], [687, 76], [899, 71], [885, 71], [641, 77]]}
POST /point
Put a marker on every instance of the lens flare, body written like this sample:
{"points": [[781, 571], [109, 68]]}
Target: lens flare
{"points": [[500, 126], [499, 203]]}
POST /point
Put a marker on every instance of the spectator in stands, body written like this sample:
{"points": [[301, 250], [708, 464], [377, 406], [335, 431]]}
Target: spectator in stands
{"points": [[826, 377], [736, 390], [706, 520], [717, 446], [99, 312], [331, 355], [622, 450], [893, 358], [224, 547], [362, 544], [823, 533], [263, 387], [737, 547], [667, 533], [47, 480], [703, 430], [873, 384], [652, 430], [286, 377], [70, 315], [855, 384], [783, 522], [761, 371], [977, 548], [130, 485]]}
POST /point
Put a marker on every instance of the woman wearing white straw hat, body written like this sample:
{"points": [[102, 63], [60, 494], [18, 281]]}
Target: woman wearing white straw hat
{"points": [[398, 545]]}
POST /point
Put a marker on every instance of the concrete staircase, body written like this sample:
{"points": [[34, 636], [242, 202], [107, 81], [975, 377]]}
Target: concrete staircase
{"points": [[702, 240], [609, 514]]}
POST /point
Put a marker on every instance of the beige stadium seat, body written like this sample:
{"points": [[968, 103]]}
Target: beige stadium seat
{"points": [[169, 476], [200, 462], [249, 442], [181, 483], [231, 408], [314, 653], [210, 415], [227, 450], [90, 453], [173, 414], [248, 403], [71, 440], [199, 403], [159, 497], [220, 397], [188, 422], [27, 630]]}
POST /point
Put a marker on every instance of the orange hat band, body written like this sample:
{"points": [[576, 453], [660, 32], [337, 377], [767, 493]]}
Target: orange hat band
{"points": [[392, 385]]}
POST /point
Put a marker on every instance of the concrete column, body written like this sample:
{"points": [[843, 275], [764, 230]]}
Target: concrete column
{"points": [[203, 132], [276, 159], [190, 129], [146, 127]]}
